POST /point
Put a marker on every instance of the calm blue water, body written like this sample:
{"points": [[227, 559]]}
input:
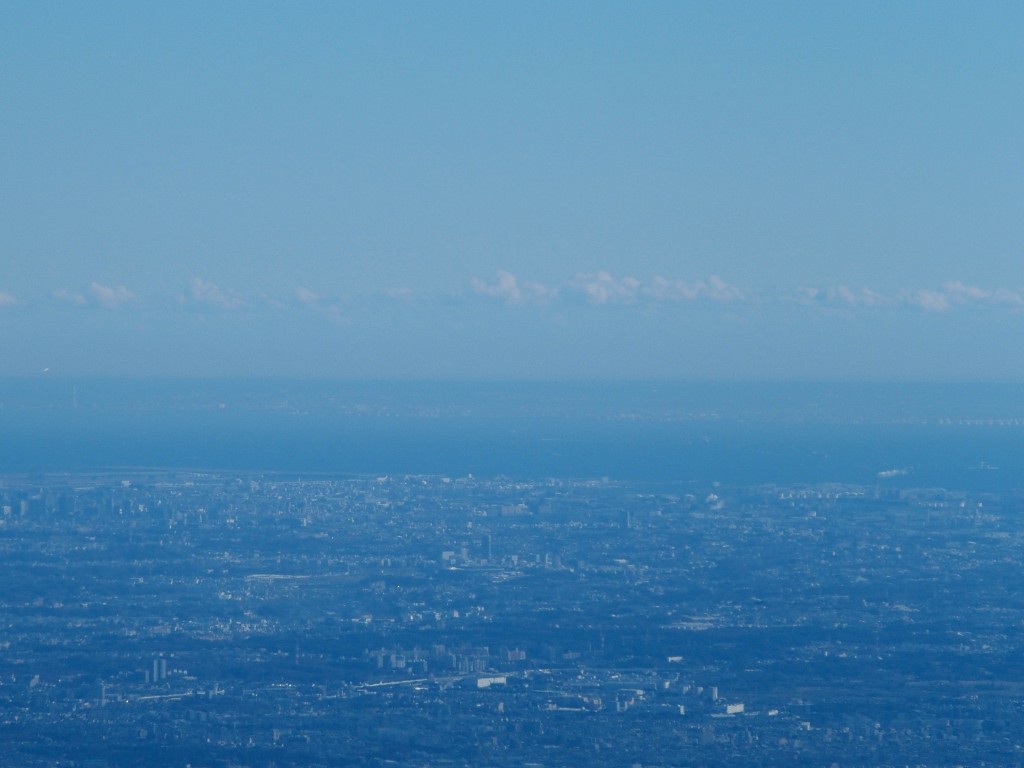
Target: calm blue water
{"points": [[675, 434]]}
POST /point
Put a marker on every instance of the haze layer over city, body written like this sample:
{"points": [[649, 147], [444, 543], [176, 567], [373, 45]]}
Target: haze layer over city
{"points": [[533, 384]]}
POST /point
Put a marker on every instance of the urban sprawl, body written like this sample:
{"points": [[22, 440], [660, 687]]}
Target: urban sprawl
{"points": [[216, 619]]}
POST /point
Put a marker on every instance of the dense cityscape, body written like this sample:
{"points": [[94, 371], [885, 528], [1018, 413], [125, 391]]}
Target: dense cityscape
{"points": [[225, 619]]}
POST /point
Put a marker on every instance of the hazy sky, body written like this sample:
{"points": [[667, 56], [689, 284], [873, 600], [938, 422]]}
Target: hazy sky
{"points": [[538, 190]]}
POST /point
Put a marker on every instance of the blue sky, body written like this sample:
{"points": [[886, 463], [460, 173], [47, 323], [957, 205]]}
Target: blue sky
{"points": [[525, 190]]}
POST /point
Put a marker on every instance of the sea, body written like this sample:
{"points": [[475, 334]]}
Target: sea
{"points": [[957, 436]]}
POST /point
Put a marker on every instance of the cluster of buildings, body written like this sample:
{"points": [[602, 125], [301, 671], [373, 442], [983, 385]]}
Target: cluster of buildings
{"points": [[211, 619]]}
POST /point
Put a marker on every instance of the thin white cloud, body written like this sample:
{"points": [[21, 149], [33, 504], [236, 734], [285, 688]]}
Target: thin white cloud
{"points": [[209, 294], [949, 296], [863, 297], [272, 302], [713, 289], [928, 300], [841, 296], [97, 294], [508, 289], [7, 299], [314, 301], [71, 297], [1007, 297], [603, 288], [307, 297], [400, 292], [664, 289], [109, 296], [717, 289], [958, 293]]}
